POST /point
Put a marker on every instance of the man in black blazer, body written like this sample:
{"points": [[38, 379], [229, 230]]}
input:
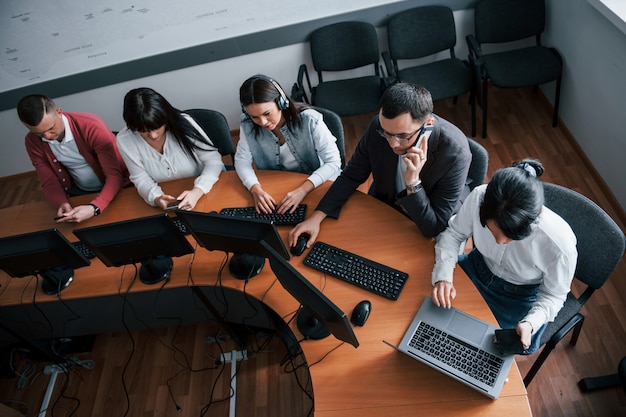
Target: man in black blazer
{"points": [[419, 164]]}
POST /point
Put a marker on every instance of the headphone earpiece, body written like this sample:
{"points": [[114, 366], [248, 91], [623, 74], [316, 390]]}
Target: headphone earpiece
{"points": [[281, 101]]}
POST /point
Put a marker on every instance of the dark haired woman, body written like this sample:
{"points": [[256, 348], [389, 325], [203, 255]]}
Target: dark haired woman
{"points": [[524, 254], [278, 134], [160, 143]]}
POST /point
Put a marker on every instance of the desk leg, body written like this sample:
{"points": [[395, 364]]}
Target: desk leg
{"points": [[54, 370], [233, 357]]}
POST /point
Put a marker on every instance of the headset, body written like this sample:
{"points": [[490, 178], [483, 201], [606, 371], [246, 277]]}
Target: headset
{"points": [[281, 101]]}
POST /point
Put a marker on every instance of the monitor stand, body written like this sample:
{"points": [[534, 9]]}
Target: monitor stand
{"points": [[155, 270], [245, 265], [55, 280], [310, 327]]}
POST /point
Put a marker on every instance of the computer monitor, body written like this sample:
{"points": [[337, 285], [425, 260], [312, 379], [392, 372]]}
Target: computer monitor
{"points": [[240, 236], [46, 253], [319, 317], [151, 241]]}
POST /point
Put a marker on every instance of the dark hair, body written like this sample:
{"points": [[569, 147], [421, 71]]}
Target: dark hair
{"points": [[404, 97], [263, 89], [145, 110], [31, 109], [514, 198]]}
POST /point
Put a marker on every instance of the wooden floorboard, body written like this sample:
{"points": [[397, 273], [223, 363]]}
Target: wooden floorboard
{"points": [[519, 126]]}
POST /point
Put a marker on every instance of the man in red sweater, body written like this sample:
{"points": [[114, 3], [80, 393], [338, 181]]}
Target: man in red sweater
{"points": [[73, 154]]}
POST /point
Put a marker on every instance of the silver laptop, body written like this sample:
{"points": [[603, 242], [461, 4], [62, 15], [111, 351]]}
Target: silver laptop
{"points": [[459, 345]]}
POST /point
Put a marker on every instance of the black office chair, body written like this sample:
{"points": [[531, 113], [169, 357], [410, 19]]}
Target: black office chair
{"points": [[500, 21], [606, 381], [423, 32], [340, 47], [600, 244], [478, 166], [335, 125], [216, 127]]}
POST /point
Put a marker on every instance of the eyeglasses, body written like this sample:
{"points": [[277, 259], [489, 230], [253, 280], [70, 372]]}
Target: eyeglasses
{"points": [[401, 137]]}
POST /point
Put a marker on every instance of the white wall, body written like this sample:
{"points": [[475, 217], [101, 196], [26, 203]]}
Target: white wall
{"points": [[594, 85], [214, 85]]}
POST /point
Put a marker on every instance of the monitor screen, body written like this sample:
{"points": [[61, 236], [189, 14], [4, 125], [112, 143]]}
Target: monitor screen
{"points": [[214, 231], [239, 236], [151, 241], [319, 316], [46, 253]]}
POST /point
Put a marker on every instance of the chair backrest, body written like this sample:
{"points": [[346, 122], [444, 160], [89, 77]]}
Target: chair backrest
{"points": [[478, 166], [216, 127], [335, 125], [343, 46], [420, 32], [508, 20], [600, 240]]}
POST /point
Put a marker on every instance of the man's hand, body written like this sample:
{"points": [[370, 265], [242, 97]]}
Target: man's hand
{"points": [[415, 159], [77, 214], [311, 226], [443, 294]]}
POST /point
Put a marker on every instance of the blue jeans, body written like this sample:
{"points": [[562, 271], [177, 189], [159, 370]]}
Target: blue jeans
{"points": [[508, 302]]}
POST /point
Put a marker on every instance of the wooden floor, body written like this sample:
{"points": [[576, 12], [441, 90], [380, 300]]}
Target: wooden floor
{"points": [[158, 378]]}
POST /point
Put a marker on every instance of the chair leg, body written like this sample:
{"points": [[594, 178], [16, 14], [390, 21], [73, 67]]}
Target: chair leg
{"points": [[577, 329], [557, 97], [545, 352]]}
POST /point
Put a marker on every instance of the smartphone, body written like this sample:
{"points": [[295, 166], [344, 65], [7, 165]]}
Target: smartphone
{"points": [[508, 342], [425, 134], [173, 205]]}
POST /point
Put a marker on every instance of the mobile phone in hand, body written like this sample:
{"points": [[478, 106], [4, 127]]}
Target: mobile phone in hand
{"points": [[508, 342], [173, 205]]}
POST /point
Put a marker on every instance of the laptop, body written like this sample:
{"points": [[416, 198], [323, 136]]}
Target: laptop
{"points": [[459, 345]]}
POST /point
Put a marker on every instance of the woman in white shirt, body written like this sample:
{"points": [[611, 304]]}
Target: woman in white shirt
{"points": [[160, 143], [524, 254], [278, 134]]}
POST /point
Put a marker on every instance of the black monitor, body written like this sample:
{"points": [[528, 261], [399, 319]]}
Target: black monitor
{"points": [[151, 240], [46, 253], [319, 317], [240, 236]]}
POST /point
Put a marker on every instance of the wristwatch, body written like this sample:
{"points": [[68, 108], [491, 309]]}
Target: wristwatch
{"points": [[96, 209], [413, 189]]}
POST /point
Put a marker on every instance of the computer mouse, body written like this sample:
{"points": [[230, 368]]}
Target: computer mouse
{"points": [[361, 312], [300, 245]]}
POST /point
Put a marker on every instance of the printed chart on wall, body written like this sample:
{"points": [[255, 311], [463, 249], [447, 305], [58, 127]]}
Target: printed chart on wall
{"points": [[46, 40]]}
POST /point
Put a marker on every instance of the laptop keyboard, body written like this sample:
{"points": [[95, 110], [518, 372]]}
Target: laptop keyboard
{"points": [[470, 360], [278, 219], [372, 276]]}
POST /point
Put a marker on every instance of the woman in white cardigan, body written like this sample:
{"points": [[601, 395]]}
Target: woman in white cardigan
{"points": [[161, 143]]}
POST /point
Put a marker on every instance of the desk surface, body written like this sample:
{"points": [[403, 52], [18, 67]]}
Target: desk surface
{"points": [[370, 380]]}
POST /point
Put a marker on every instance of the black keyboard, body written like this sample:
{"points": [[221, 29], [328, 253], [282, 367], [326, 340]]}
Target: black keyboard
{"points": [[372, 276], [84, 250], [470, 360], [278, 219], [180, 225]]}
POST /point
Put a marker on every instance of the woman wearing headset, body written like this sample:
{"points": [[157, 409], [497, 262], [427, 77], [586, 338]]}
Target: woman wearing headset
{"points": [[278, 134]]}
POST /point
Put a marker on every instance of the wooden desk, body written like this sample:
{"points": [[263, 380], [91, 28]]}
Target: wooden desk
{"points": [[371, 380]]}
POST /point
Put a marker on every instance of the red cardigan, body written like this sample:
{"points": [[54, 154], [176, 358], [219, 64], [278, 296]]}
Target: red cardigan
{"points": [[96, 143]]}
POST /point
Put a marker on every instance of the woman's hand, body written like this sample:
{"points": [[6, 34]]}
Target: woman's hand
{"points": [[443, 294], [290, 201], [263, 202], [189, 198]]}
